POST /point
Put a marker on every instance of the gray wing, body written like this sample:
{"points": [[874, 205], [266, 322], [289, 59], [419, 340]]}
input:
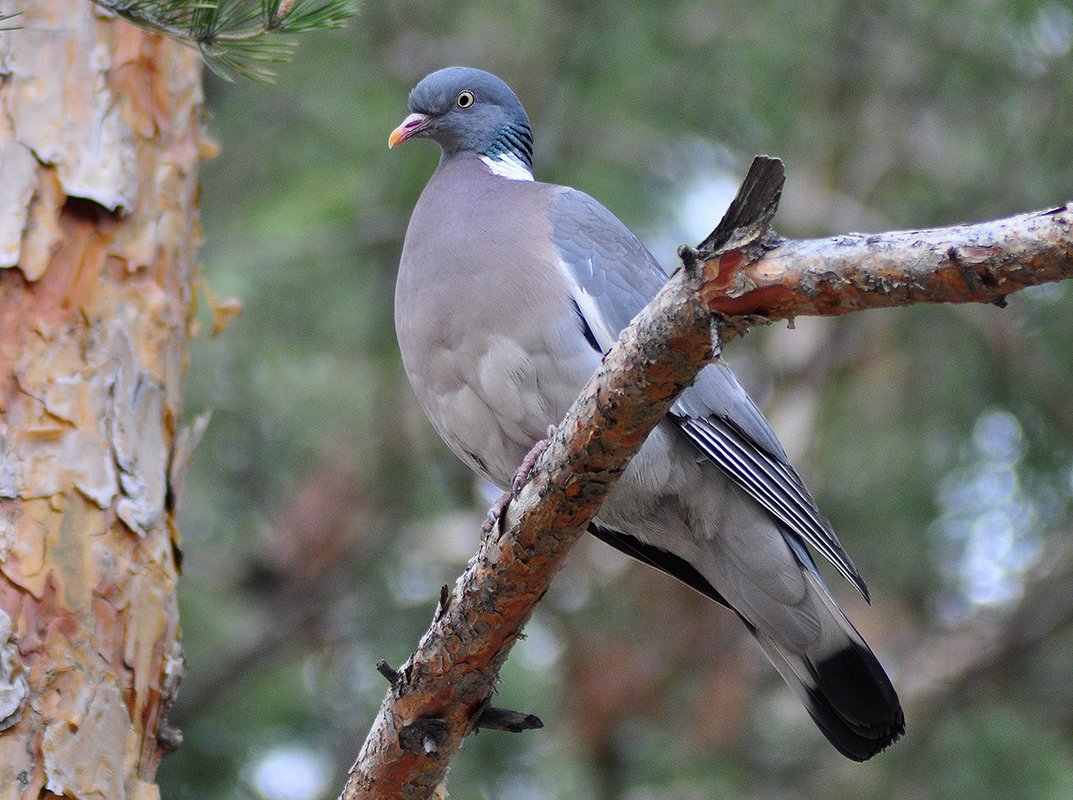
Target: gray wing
{"points": [[763, 472], [613, 276]]}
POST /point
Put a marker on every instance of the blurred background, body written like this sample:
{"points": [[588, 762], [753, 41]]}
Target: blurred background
{"points": [[322, 513]]}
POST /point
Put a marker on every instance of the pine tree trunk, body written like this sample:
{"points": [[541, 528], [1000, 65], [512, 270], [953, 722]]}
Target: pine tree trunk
{"points": [[99, 144]]}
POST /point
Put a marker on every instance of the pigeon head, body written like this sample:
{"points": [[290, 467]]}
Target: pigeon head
{"points": [[466, 110]]}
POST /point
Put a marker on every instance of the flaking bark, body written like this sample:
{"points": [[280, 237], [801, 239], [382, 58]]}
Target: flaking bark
{"points": [[742, 274], [99, 142]]}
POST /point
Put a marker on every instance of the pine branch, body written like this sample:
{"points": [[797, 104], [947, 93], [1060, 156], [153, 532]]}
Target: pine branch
{"points": [[983, 262], [242, 37], [438, 695]]}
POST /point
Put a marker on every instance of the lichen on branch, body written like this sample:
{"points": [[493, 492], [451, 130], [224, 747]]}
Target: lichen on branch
{"points": [[977, 263]]}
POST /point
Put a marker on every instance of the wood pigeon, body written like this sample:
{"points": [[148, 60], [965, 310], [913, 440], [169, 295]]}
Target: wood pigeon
{"points": [[509, 293]]}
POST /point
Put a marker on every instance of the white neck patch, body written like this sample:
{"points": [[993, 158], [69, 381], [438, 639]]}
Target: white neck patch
{"points": [[508, 165]]}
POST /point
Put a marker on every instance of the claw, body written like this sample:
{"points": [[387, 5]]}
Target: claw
{"points": [[521, 477], [495, 513]]}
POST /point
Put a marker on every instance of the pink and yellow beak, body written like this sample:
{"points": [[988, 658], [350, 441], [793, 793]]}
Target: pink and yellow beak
{"points": [[410, 126]]}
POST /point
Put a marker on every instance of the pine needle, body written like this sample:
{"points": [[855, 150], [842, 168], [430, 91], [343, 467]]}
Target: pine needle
{"points": [[235, 37], [5, 18]]}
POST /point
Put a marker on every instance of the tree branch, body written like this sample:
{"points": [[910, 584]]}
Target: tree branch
{"points": [[980, 263], [438, 695]]}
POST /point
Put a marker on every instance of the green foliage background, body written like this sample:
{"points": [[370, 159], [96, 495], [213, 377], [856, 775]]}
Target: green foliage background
{"points": [[322, 514]]}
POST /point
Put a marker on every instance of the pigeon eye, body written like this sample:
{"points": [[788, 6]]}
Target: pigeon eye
{"points": [[465, 99]]}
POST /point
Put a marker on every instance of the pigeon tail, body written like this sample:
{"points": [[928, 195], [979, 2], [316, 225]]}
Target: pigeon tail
{"points": [[841, 684]]}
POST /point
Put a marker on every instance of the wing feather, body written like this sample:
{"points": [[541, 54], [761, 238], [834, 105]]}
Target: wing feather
{"points": [[773, 484], [613, 276]]}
